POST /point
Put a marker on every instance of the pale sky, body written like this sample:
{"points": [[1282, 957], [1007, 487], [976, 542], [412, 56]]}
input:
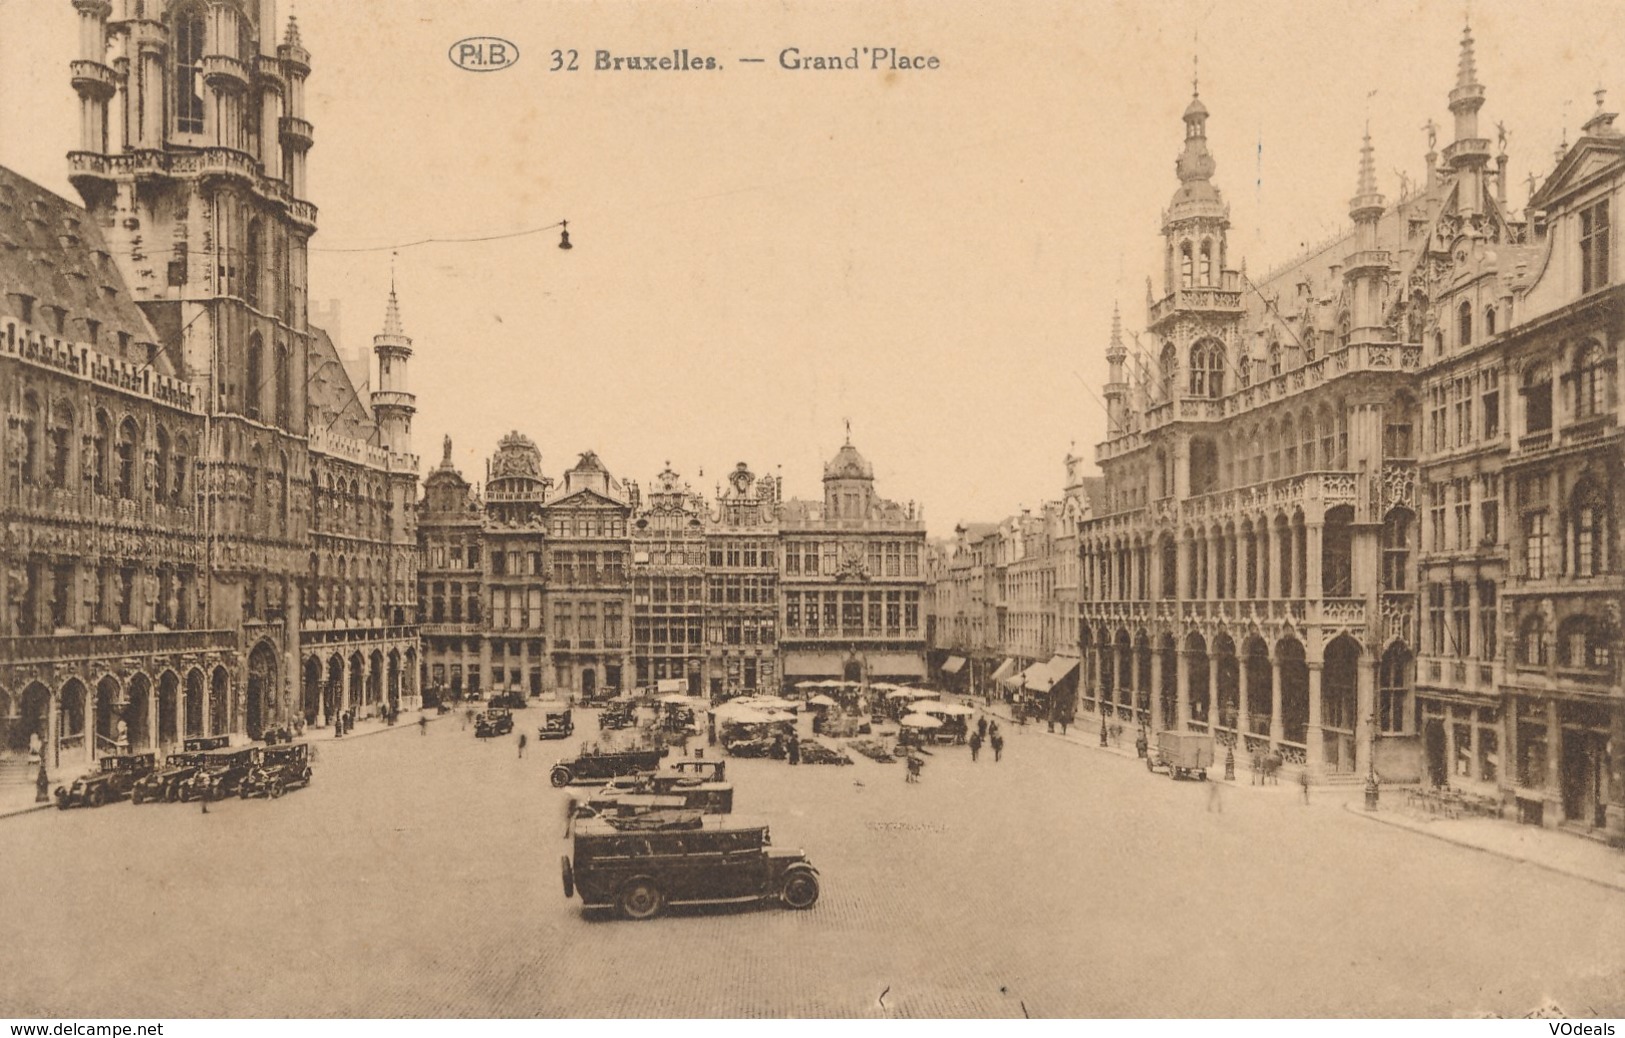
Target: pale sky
{"points": [[762, 254]]}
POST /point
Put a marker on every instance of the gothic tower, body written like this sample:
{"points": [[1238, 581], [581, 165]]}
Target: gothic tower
{"points": [[393, 404], [1366, 268], [1116, 387], [192, 160]]}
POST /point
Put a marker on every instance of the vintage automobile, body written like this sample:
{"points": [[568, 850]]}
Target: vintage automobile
{"points": [[495, 721], [220, 773], [597, 765], [1182, 754], [556, 720], [641, 863], [617, 714], [113, 779], [509, 700], [279, 768], [164, 783], [686, 791]]}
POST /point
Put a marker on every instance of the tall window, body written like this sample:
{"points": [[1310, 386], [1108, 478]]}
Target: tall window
{"points": [[1489, 321], [1396, 549], [1590, 530], [1486, 620], [1464, 324], [128, 448], [284, 388], [1394, 678], [1207, 369], [188, 73], [1185, 265], [1206, 270], [1590, 380], [254, 377], [1170, 366], [1275, 359], [1594, 246], [1537, 399], [28, 465], [252, 266], [1461, 612], [1534, 545], [1436, 636], [1532, 650]]}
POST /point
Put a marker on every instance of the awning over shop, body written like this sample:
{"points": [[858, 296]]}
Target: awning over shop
{"points": [[954, 665], [1006, 668], [1062, 667], [1036, 678], [671, 685]]}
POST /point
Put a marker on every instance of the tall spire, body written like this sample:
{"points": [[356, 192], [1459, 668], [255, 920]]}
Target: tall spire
{"points": [[1465, 101], [392, 314], [291, 36], [1368, 168], [1466, 66], [1117, 330]]}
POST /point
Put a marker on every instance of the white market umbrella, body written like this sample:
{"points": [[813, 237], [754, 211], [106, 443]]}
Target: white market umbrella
{"points": [[921, 721], [947, 709], [821, 700]]}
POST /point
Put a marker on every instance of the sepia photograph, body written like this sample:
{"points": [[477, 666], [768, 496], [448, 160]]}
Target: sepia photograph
{"points": [[820, 509]]}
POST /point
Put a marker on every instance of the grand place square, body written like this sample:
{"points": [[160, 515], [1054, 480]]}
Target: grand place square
{"points": [[1298, 694]]}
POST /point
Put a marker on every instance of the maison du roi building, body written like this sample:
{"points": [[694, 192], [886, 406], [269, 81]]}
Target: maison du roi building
{"points": [[586, 585], [204, 527], [1362, 511]]}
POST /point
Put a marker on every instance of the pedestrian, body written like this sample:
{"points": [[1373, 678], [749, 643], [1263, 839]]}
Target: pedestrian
{"points": [[42, 785], [521, 745], [1214, 804], [997, 742], [915, 764], [1303, 783], [981, 727], [975, 746], [795, 749], [423, 725]]}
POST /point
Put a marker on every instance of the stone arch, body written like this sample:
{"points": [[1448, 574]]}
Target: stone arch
{"points": [[27, 714], [73, 703], [1339, 703], [195, 710], [375, 677], [110, 704], [1294, 668], [1227, 675], [137, 714], [310, 691], [169, 706], [393, 686], [219, 720], [1260, 678], [263, 687]]}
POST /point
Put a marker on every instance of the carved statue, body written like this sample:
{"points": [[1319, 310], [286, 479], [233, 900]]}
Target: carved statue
{"points": [[1432, 129]]}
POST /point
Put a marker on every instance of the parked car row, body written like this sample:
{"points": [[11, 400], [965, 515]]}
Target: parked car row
{"points": [[652, 838], [204, 769]]}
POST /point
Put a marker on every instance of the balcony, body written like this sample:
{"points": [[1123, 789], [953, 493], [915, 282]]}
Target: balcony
{"points": [[93, 79], [296, 132], [68, 647], [223, 72], [1205, 298]]}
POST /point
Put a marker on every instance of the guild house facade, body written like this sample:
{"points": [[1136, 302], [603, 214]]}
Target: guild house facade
{"points": [[204, 527], [590, 586], [1361, 511]]}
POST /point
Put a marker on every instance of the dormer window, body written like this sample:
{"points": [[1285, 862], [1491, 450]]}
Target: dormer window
{"points": [[1594, 246]]}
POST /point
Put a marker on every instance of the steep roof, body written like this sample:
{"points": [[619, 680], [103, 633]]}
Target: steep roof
{"points": [[53, 252], [335, 404]]}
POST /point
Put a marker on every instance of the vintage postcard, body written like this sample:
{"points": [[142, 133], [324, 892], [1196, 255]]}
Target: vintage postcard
{"points": [[897, 509]]}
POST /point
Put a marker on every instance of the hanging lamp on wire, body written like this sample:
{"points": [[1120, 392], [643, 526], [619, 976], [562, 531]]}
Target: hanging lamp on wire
{"points": [[564, 235]]}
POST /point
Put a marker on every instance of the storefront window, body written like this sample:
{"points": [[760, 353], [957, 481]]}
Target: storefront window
{"points": [[1531, 754], [1489, 755]]}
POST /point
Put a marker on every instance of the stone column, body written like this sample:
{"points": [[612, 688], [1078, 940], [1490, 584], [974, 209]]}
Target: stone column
{"points": [[1157, 721], [1241, 703], [1316, 589], [344, 685], [1365, 707], [1212, 690], [1314, 740], [1551, 813], [1277, 732], [1182, 688], [1262, 549]]}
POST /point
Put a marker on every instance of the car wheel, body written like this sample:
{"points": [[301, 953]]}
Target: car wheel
{"points": [[276, 788], [800, 889], [98, 796], [304, 776], [569, 876], [242, 793], [560, 777], [641, 899]]}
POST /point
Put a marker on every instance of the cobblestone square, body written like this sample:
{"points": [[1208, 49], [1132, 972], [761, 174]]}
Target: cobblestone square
{"points": [[419, 876]]}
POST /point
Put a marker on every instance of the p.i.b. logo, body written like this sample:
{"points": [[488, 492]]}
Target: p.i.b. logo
{"points": [[483, 54]]}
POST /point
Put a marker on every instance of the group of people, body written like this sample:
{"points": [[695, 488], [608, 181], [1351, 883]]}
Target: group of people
{"points": [[986, 732]]}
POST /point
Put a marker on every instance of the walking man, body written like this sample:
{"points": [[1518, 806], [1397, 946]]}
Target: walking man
{"points": [[1303, 781], [997, 741], [981, 727], [975, 746], [795, 749], [423, 725], [522, 745]]}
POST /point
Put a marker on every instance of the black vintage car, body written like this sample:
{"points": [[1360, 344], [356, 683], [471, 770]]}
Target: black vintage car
{"points": [[639, 864], [113, 779], [557, 720], [164, 782], [594, 766], [495, 721], [220, 773], [617, 714], [279, 768]]}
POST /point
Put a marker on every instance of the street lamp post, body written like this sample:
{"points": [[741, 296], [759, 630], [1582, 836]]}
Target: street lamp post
{"points": [[1371, 789]]}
